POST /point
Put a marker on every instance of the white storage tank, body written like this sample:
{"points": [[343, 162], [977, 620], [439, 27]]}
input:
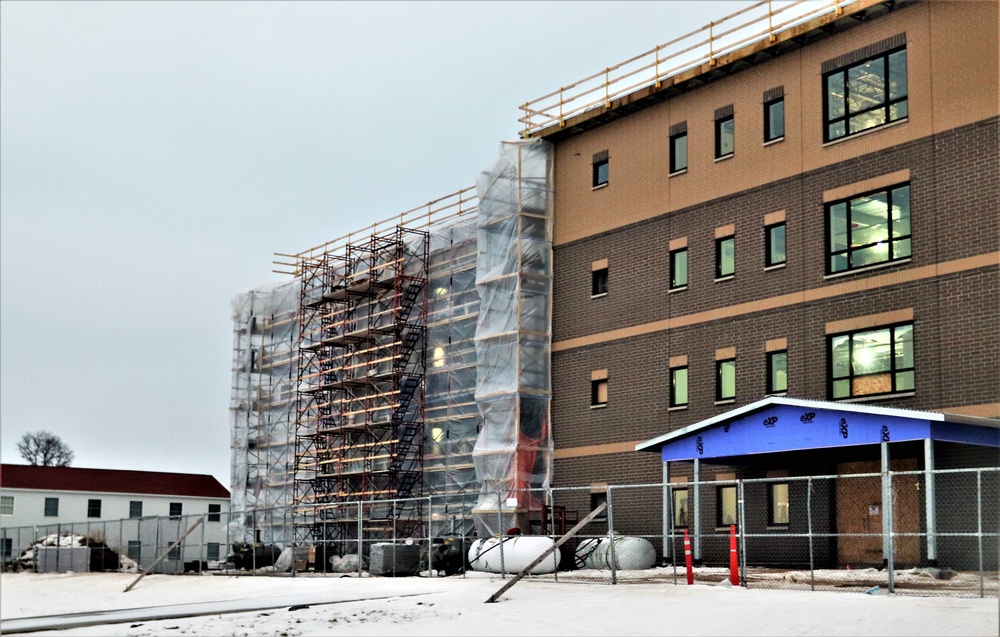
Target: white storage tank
{"points": [[518, 552], [631, 553]]}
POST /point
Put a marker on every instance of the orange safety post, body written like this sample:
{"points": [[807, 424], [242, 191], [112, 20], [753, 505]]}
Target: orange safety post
{"points": [[687, 558], [734, 563]]}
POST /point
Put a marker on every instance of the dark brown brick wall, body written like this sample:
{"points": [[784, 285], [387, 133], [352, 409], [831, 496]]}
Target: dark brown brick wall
{"points": [[955, 190]]}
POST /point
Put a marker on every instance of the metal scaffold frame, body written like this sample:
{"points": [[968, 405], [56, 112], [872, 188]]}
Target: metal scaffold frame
{"points": [[362, 362]]}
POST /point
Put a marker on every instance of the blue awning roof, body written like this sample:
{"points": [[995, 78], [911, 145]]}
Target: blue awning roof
{"points": [[777, 424]]}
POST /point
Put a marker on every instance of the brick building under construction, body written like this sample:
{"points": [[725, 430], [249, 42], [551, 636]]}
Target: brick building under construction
{"points": [[788, 217]]}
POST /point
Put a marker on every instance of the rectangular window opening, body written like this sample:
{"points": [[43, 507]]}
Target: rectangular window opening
{"points": [[678, 386], [725, 140], [214, 512], [865, 94], [599, 282], [6, 505], [725, 257], [680, 508], [868, 229], [597, 498], [93, 508], [599, 392], [678, 152], [212, 551], [774, 245], [725, 514], [135, 509], [725, 386], [774, 119], [871, 362], [134, 550], [778, 504], [678, 269], [51, 507], [600, 170], [777, 372], [176, 509]]}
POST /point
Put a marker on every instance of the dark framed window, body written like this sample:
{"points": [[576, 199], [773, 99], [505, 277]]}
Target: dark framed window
{"points": [[725, 139], [6, 505], [135, 509], [597, 498], [678, 268], [678, 148], [725, 379], [601, 168], [862, 94], [777, 372], [599, 282], [777, 504], [93, 508], [134, 550], [212, 551], [725, 509], [868, 229], [599, 392], [774, 119], [774, 245], [871, 362], [174, 553], [678, 386], [680, 497], [215, 513], [176, 509], [51, 507], [725, 257]]}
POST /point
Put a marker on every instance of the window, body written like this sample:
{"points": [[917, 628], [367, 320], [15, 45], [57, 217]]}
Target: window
{"points": [[600, 169], [872, 362], [865, 93], [51, 507], [176, 509], [680, 508], [868, 229], [777, 372], [135, 509], [93, 508], [777, 504], [725, 384], [774, 245], [678, 269], [725, 257], [774, 114], [214, 512], [599, 282], [724, 132], [597, 498], [6, 505], [7, 548], [174, 553], [726, 508], [678, 148], [134, 550], [212, 552], [599, 392], [678, 386]]}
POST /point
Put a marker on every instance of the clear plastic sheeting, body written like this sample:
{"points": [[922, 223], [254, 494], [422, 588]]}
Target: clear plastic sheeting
{"points": [[262, 412], [513, 452], [452, 419]]}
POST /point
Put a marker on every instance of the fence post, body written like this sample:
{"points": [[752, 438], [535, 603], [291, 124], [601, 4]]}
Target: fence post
{"points": [[809, 522], [360, 531], [742, 531], [667, 514], [887, 547], [696, 507], [500, 534], [611, 537], [979, 526]]}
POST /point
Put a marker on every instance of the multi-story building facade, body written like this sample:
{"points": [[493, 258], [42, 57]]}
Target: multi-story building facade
{"points": [[794, 224]]}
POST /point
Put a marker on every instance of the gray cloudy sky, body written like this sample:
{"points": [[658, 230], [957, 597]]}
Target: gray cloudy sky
{"points": [[154, 156]]}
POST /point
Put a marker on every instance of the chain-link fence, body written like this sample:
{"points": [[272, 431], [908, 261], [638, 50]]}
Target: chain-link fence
{"points": [[905, 532]]}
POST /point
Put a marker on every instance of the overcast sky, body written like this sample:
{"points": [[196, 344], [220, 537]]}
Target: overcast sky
{"points": [[155, 155]]}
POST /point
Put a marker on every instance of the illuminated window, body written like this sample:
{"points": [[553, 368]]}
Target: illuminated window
{"points": [[778, 504], [871, 362], [678, 386], [725, 383], [865, 93], [725, 513], [680, 508], [868, 229]]}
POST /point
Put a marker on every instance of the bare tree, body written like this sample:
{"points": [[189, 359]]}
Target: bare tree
{"points": [[45, 449]]}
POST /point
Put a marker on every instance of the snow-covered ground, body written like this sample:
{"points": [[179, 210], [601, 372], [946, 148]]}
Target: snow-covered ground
{"points": [[416, 606]]}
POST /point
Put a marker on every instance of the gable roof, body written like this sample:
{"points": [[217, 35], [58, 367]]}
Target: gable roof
{"points": [[18, 476], [777, 436]]}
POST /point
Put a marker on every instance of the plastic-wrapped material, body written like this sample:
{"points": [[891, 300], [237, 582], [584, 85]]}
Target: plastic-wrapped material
{"points": [[262, 408], [513, 452]]}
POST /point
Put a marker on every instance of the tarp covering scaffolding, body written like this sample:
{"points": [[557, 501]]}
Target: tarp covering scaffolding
{"points": [[513, 335], [265, 350]]}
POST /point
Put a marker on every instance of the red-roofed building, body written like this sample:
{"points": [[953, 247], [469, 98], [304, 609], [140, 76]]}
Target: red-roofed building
{"points": [[37, 500]]}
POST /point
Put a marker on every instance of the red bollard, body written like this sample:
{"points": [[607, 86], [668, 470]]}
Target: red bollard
{"points": [[687, 557], [734, 563]]}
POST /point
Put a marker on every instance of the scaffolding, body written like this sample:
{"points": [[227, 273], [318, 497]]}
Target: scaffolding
{"points": [[359, 419], [265, 351]]}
